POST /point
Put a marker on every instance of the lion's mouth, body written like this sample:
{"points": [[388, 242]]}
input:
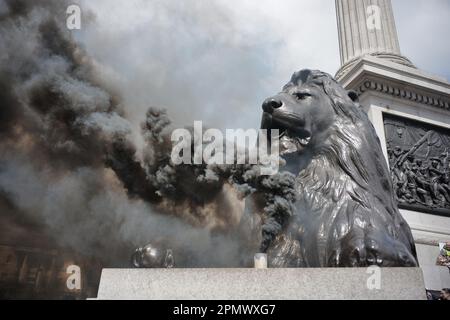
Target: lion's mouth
{"points": [[293, 136], [287, 135], [290, 142]]}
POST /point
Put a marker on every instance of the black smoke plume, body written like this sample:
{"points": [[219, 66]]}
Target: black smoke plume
{"points": [[69, 160]]}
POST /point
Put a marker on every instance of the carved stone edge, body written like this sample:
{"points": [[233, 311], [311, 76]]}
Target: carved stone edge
{"points": [[344, 69], [402, 93], [443, 212]]}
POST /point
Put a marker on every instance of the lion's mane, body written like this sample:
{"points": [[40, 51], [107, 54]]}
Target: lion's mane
{"points": [[346, 215]]}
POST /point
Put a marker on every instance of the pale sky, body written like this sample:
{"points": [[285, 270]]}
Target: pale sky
{"points": [[217, 60]]}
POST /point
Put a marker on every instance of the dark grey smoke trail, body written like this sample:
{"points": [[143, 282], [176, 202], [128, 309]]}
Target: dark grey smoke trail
{"points": [[68, 157], [58, 129], [66, 152]]}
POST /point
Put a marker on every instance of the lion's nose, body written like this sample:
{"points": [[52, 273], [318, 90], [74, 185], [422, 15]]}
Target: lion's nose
{"points": [[271, 104]]}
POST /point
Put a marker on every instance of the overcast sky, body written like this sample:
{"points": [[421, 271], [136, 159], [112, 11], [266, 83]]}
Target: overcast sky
{"points": [[217, 60]]}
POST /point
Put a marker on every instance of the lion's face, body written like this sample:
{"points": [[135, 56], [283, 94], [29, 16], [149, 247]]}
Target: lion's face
{"points": [[302, 112]]}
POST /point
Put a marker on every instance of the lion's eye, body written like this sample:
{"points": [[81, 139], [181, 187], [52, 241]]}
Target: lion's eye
{"points": [[302, 95]]}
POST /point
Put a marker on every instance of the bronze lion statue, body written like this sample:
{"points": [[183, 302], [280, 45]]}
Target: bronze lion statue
{"points": [[345, 211]]}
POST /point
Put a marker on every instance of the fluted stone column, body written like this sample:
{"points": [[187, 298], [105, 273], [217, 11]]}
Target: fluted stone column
{"points": [[360, 34]]}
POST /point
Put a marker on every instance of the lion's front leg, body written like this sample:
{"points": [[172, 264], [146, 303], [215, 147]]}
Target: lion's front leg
{"points": [[365, 247]]}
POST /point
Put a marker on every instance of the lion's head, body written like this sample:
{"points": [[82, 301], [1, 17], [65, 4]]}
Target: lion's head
{"points": [[346, 212], [306, 109]]}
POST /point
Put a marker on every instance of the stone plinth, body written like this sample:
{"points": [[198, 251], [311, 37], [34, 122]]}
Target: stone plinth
{"points": [[253, 284], [436, 278]]}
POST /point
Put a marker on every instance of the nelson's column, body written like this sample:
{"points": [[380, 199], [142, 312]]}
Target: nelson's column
{"points": [[410, 110]]}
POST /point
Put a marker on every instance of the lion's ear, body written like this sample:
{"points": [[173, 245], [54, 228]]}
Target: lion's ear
{"points": [[353, 95]]}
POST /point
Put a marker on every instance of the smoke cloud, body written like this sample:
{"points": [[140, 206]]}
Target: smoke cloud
{"points": [[70, 159], [214, 61], [73, 158]]}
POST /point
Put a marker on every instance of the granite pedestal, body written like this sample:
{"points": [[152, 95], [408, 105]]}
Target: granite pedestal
{"points": [[262, 284]]}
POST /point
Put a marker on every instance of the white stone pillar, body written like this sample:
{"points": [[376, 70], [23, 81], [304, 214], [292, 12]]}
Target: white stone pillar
{"points": [[367, 27]]}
